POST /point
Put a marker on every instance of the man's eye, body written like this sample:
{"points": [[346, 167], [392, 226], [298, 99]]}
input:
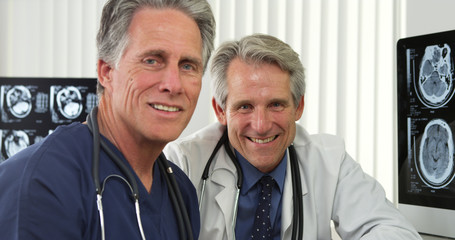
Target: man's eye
{"points": [[276, 104], [151, 61], [244, 107], [187, 67]]}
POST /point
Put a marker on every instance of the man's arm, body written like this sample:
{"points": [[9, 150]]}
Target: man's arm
{"points": [[362, 211]]}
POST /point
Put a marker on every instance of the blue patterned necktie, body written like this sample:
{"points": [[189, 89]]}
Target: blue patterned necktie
{"points": [[262, 228]]}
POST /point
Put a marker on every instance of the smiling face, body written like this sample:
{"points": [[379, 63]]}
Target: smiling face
{"points": [[260, 113], [152, 93]]}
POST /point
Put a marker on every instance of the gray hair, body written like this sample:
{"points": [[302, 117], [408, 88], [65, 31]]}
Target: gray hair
{"points": [[256, 49], [112, 38]]}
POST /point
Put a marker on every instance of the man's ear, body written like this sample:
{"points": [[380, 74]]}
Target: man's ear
{"points": [[220, 114], [104, 73], [299, 111]]}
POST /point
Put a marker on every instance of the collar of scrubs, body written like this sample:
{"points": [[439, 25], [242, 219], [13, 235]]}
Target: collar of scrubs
{"points": [[251, 174]]}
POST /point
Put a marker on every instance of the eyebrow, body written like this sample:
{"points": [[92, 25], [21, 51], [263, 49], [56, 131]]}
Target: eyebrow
{"points": [[152, 53], [239, 103], [280, 100], [163, 53], [196, 61], [242, 102]]}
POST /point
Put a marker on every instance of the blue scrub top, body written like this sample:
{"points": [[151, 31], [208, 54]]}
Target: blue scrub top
{"points": [[47, 192]]}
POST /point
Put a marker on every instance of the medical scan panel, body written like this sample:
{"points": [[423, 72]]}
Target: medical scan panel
{"points": [[426, 121], [31, 108], [436, 165], [425, 130], [435, 83]]}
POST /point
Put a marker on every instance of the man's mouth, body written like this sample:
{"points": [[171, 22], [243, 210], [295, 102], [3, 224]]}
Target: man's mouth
{"points": [[262, 141], [165, 108]]}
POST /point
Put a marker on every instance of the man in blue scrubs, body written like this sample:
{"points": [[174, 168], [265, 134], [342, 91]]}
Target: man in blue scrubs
{"points": [[151, 58]]}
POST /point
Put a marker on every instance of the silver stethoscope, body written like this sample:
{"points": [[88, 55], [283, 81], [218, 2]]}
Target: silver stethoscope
{"points": [[297, 218], [183, 220]]}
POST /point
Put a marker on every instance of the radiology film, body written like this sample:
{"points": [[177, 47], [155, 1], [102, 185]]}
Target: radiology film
{"points": [[426, 114], [426, 131], [31, 108]]}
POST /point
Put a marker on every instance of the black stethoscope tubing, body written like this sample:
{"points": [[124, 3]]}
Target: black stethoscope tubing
{"points": [[224, 142], [183, 220], [297, 218], [297, 195]]}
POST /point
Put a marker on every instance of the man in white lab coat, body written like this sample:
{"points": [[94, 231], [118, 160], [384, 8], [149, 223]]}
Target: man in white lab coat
{"points": [[259, 90]]}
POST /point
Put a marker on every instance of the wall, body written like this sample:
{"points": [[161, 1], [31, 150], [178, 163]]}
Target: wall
{"points": [[424, 16], [346, 46]]}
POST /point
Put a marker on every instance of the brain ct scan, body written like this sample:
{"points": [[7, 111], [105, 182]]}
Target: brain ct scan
{"points": [[69, 102], [436, 154], [15, 142], [435, 81], [19, 101]]}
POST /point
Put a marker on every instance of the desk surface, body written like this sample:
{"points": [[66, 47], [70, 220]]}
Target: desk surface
{"points": [[424, 237]]}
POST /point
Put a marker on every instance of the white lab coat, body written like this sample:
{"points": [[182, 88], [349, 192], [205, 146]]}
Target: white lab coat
{"points": [[334, 188]]}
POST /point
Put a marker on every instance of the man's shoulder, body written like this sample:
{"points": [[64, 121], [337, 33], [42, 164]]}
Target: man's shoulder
{"points": [[187, 188], [320, 140], [320, 151], [211, 132], [40, 173], [203, 138], [192, 152], [47, 156], [60, 136]]}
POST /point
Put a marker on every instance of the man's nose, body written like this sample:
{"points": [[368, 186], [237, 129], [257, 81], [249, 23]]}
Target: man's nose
{"points": [[172, 81], [261, 120]]}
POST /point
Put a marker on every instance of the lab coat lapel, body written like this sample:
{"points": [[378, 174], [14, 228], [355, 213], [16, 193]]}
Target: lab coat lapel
{"points": [[225, 175], [287, 211]]}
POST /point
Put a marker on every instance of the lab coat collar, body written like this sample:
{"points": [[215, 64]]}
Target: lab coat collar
{"points": [[288, 206], [225, 175]]}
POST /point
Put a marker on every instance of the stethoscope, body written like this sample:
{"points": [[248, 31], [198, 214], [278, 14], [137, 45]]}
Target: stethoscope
{"points": [[297, 219], [183, 220]]}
